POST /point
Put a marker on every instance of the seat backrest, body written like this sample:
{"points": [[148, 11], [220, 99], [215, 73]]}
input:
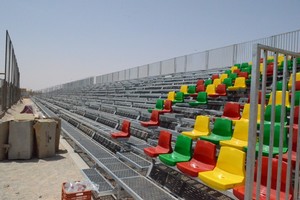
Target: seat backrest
{"points": [[268, 113], [297, 88], [200, 82], [227, 82], [200, 88], [264, 173], [240, 82], [159, 104], [191, 89], [183, 145], [179, 96], [205, 152], [240, 131], [216, 82], [297, 98], [221, 89], [246, 111], [233, 68], [279, 98], [171, 95], [243, 74], [210, 89], [202, 123], [232, 160], [222, 126], [154, 116], [208, 82], [126, 126], [233, 76], [267, 129], [214, 76], [232, 109], [228, 72], [164, 139], [184, 88], [291, 78], [202, 97], [223, 76], [279, 86], [296, 114], [168, 105]]}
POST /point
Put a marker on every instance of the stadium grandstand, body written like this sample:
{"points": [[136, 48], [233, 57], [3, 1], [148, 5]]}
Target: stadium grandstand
{"points": [[219, 124]]}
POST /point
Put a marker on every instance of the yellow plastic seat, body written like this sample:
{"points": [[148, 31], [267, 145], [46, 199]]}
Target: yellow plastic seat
{"points": [[201, 128], [240, 136], [210, 89], [233, 68], [246, 113], [216, 82], [184, 89], [291, 80], [280, 58], [279, 99], [229, 171], [223, 76], [171, 96], [240, 83]]}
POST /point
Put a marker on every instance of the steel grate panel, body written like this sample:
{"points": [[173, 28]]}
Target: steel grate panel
{"points": [[96, 178], [146, 189], [136, 159], [125, 173], [116, 166], [108, 160]]}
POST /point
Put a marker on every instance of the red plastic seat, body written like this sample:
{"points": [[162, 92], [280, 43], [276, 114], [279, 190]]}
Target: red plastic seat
{"points": [[204, 159], [200, 82], [200, 88], [154, 119], [239, 192], [163, 146], [232, 111], [237, 71], [243, 74], [124, 133], [220, 91], [296, 117], [270, 69], [214, 76], [167, 107], [297, 88]]}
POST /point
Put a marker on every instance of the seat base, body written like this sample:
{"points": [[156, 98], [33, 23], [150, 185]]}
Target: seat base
{"points": [[193, 167]]}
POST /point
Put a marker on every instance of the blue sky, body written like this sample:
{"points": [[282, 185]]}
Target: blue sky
{"points": [[59, 41]]}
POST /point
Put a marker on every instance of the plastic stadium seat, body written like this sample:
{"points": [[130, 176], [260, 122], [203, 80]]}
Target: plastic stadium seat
{"points": [[232, 111], [239, 83], [279, 99], [279, 86], [233, 68], [200, 82], [208, 82], [243, 74], [184, 89], [158, 106], [163, 146], [210, 89], [240, 136], [200, 100], [171, 96], [239, 191], [291, 80], [214, 76], [223, 76], [227, 82], [181, 153], [233, 76], [200, 88], [179, 97], [297, 88], [216, 82], [297, 98], [125, 131], [294, 149], [154, 119], [220, 91], [270, 69], [237, 71], [229, 171], [268, 114], [201, 128], [244, 65], [266, 147], [167, 107], [191, 91], [222, 131], [204, 159], [296, 117], [228, 72], [246, 113]]}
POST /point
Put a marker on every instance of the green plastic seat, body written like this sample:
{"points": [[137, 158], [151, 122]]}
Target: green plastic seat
{"points": [[279, 86], [179, 97], [200, 100], [208, 82], [238, 65], [266, 142], [247, 69], [297, 98], [233, 76], [158, 106], [244, 65], [181, 153], [268, 113], [222, 131], [227, 72], [227, 82], [191, 90]]}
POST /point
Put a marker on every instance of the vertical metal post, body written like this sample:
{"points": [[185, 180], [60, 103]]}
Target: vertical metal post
{"points": [[206, 60], [252, 123]]}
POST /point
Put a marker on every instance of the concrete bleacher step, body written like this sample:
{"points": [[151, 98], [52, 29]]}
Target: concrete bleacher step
{"points": [[105, 188], [134, 159]]}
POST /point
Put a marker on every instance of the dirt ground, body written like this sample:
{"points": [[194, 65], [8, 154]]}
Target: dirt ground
{"points": [[38, 178]]}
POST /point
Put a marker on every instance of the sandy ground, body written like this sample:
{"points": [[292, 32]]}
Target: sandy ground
{"points": [[38, 178]]}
